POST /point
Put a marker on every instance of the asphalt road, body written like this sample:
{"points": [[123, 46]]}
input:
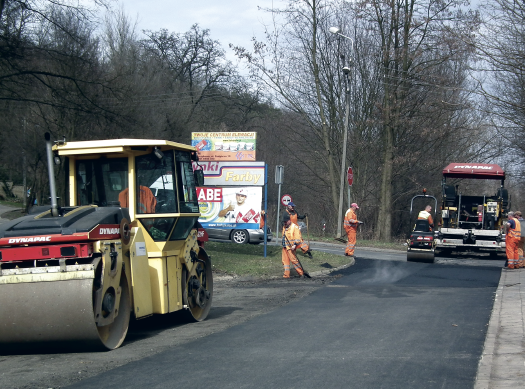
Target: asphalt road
{"points": [[3, 209], [380, 324]]}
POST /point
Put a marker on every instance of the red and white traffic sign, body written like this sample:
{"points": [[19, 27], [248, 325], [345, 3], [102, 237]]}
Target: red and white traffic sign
{"points": [[286, 199], [350, 176]]}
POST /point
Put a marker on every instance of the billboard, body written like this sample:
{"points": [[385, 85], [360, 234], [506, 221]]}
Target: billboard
{"points": [[225, 146], [238, 207], [232, 173]]}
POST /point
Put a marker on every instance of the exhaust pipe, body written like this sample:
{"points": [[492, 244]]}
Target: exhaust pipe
{"points": [[51, 171]]}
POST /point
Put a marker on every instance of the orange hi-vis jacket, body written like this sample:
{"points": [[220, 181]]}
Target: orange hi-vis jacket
{"points": [[293, 217], [147, 202], [350, 220], [292, 236], [515, 233]]}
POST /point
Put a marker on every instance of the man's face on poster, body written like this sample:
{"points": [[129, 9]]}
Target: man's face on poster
{"points": [[240, 199]]}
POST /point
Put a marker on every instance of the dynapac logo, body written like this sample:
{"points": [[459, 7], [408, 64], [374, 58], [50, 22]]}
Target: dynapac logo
{"points": [[109, 231], [31, 239], [485, 167]]}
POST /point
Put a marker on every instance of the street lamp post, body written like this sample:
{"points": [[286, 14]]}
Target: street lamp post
{"points": [[346, 71]]}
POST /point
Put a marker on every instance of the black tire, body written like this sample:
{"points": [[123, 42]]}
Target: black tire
{"points": [[444, 252], [498, 255], [195, 311], [240, 236]]}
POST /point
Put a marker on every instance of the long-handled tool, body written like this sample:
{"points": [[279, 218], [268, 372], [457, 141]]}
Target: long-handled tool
{"points": [[307, 231], [300, 264], [309, 252]]}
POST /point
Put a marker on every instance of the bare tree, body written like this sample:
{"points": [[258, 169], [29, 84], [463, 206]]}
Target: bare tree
{"points": [[502, 57], [416, 44]]}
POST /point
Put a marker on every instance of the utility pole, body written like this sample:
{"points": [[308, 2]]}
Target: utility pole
{"points": [[279, 178], [346, 71]]}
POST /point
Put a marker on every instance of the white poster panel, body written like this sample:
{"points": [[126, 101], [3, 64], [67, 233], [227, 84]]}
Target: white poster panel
{"points": [[225, 146], [238, 207]]}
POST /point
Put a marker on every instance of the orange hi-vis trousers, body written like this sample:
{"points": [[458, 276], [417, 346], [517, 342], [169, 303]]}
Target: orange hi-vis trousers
{"points": [[287, 257], [512, 252], [352, 239], [521, 243]]}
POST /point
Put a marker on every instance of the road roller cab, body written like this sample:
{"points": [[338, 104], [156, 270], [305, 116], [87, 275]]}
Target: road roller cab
{"points": [[126, 242]]}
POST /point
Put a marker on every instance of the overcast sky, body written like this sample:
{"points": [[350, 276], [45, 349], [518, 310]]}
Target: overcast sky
{"points": [[229, 21]]}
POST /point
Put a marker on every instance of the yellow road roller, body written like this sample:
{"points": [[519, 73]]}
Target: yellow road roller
{"points": [[127, 244]]}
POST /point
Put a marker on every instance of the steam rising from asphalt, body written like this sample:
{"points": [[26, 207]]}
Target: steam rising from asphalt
{"points": [[384, 273]]}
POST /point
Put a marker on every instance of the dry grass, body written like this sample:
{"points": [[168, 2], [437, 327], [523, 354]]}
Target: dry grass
{"points": [[247, 259]]}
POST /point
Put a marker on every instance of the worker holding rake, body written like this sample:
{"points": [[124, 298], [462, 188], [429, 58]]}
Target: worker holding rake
{"points": [[292, 239]]}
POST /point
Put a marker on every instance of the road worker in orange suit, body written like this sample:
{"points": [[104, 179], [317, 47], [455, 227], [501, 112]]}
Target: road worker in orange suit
{"points": [[290, 210], [350, 225], [261, 222], [521, 243], [292, 239], [512, 239], [147, 201], [426, 215]]}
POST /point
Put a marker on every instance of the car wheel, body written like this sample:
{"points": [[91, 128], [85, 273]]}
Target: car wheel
{"points": [[240, 236]]}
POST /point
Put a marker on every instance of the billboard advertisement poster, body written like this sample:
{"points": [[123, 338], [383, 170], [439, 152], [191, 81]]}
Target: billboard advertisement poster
{"points": [[238, 207], [225, 146], [232, 173]]}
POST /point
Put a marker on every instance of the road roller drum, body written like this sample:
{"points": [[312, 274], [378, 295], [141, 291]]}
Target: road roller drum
{"points": [[426, 256]]}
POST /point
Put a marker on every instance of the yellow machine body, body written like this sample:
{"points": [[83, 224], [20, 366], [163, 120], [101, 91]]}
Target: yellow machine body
{"points": [[151, 263]]}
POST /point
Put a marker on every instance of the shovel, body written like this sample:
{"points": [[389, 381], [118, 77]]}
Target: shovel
{"points": [[309, 252]]}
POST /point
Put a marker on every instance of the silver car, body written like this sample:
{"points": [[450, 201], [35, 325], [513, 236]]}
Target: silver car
{"points": [[239, 236]]}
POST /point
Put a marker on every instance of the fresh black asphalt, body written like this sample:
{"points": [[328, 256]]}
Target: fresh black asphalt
{"points": [[382, 324]]}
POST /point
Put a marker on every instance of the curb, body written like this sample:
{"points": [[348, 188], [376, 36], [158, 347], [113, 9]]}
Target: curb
{"points": [[502, 363], [486, 361]]}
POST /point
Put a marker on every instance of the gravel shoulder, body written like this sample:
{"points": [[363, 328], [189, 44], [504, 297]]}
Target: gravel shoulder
{"points": [[235, 300]]}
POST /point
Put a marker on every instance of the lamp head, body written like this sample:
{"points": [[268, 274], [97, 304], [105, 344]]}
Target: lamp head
{"points": [[334, 30], [158, 153]]}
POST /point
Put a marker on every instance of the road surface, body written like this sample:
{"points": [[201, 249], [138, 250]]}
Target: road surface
{"points": [[382, 324]]}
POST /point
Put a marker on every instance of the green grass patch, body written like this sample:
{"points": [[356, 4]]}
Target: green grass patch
{"points": [[396, 245], [11, 203], [249, 260]]}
